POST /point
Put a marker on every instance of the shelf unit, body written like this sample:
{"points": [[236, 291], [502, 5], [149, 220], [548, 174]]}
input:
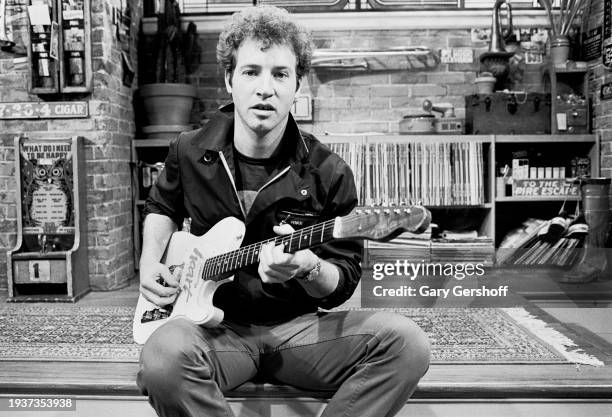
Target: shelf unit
{"points": [[491, 212], [485, 214], [59, 52], [150, 151], [568, 115]]}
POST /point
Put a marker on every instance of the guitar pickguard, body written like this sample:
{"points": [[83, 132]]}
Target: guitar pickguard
{"points": [[185, 257]]}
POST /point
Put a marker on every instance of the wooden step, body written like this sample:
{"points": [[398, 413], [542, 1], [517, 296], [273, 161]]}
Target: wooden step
{"points": [[120, 406], [449, 381]]}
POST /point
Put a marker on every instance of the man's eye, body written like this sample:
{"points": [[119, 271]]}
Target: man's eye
{"points": [[281, 75], [250, 73]]}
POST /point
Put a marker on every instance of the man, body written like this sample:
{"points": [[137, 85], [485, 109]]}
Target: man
{"points": [[252, 162]]}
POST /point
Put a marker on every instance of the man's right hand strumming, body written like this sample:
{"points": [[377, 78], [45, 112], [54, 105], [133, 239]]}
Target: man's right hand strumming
{"points": [[157, 283]]}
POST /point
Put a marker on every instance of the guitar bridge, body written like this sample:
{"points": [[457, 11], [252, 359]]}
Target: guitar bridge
{"points": [[156, 314]]}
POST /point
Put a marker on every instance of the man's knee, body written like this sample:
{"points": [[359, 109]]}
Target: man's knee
{"points": [[408, 343], [164, 357]]}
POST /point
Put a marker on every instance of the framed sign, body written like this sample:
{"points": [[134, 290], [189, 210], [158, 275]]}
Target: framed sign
{"points": [[591, 44]]}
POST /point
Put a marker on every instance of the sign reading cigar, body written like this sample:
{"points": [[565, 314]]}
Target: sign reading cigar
{"points": [[49, 262], [44, 110]]}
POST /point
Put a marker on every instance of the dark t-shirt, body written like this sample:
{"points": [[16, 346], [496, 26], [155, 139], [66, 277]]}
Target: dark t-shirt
{"points": [[251, 174]]}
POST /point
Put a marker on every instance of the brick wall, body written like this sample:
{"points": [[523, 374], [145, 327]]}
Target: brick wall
{"points": [[365, 101], [108, 133], [353, 101]]}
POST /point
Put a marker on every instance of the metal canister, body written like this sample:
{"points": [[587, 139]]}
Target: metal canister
{"points": [[596, 205]]}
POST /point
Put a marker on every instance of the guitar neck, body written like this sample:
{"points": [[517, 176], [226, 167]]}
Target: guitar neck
{"points": [[218, 267]]}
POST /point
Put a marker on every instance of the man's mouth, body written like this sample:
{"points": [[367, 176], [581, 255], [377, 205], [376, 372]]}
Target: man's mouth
{"points": [[263, 106]]}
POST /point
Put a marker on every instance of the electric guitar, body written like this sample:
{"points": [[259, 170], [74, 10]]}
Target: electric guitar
{"points": [[201, 264]]}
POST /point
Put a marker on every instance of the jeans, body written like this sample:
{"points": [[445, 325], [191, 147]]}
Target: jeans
{"points": [[373, 360]]}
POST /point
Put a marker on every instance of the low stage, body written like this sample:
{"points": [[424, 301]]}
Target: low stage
{"points": [[507, 362]]}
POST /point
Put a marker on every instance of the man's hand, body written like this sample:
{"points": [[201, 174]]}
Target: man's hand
{"points": [[276, 266], [151, 274]]}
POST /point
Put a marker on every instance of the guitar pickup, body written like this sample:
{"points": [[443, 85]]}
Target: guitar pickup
{"points": [[156, 314]]}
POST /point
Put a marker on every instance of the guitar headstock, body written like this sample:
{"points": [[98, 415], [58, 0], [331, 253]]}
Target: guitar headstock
{"points": [[382, 223]]}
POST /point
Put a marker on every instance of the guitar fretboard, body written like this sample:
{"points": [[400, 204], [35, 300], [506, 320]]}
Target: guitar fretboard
{"points": [[217, 267]]}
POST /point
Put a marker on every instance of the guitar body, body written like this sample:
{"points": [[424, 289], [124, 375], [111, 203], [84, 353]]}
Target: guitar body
{"points": [[185, 257], [202, 264]]}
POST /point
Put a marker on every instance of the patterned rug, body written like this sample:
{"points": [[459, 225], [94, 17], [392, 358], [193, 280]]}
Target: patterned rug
{"points": [[458, 335]]}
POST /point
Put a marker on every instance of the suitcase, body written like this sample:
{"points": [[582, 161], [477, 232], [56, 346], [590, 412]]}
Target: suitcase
{"points": [[507, 113]]}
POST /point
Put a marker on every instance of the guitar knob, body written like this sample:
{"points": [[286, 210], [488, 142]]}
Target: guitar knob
{"points": [[407, 211], [397, 211], [368, 211], [377, 211], [387, 211]]}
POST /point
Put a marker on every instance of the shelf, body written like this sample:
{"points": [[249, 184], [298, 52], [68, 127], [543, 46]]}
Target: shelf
{"points": [[574, 70], [493, 138], [568, 138], [536, 198], [151, 143], [395, 138], [461, 206], [449, 206]]}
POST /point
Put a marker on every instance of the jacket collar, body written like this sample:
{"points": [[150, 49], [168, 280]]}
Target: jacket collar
{"points": [[214, 136]]}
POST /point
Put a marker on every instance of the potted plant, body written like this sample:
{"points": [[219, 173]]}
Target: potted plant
{"points": [[169, 100], [485, 83], [560, 28]]}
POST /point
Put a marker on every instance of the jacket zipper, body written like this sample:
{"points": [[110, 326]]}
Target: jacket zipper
{"points": [[231, 177]]}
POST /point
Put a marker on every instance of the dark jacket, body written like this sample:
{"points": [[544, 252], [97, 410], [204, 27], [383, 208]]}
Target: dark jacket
{"points": [[311, 185]]}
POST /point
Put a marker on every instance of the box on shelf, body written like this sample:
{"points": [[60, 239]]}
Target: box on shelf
{"points": [[507, 113]]}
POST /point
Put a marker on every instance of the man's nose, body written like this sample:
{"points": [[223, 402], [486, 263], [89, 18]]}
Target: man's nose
{"points": [[264, 87]]}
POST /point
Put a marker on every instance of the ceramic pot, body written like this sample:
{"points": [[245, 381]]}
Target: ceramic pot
{"points": [[485, 84], [168, 103]]}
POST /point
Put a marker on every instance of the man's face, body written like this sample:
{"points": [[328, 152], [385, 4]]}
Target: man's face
{"points": [[263, 86]]}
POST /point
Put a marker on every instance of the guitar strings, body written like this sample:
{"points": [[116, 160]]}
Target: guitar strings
{"points": [[215, 265], [220, 261]]}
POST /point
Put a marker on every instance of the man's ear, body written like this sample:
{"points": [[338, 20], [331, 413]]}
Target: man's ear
{"points": [[228, 81]]}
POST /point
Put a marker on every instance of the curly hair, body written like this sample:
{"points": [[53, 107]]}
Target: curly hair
{"points": [[270, 25]]}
